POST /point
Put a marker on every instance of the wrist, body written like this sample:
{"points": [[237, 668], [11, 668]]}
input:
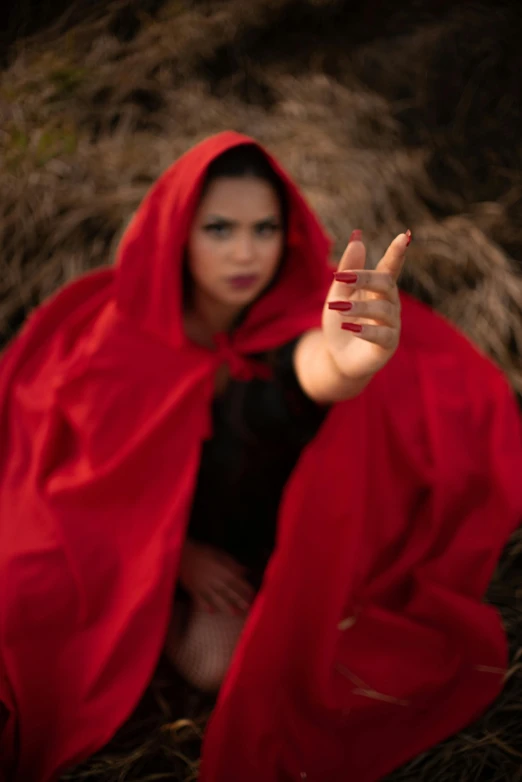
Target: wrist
{"points": [[319, 374], [344, 386]]}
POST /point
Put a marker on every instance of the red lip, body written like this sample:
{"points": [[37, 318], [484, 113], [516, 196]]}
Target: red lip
{"points": [[243, 281]]}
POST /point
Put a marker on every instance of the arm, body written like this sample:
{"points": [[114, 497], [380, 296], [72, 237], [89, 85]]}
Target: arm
{"points": [[360, 329]]}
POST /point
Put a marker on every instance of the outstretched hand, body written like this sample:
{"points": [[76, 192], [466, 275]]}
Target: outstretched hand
{"points": [[362, 312]]}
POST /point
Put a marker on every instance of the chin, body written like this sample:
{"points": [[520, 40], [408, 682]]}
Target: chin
{"points": [[241, 298]]}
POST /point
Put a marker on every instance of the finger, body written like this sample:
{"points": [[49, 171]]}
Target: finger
{"points": [[384, 336], [381, 310], [234, 578], [242, 590], [235, 600], [203, 602], [377, 282], [354, 256], [220, 602], [393, 260]]}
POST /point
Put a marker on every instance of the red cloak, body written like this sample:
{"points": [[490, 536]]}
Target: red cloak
{"points": [[369, 641]]}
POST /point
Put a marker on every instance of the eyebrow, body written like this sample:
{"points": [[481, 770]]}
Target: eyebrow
{"points": [[219, 219]]}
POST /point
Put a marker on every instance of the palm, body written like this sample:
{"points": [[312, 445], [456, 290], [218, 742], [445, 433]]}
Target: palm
{"points": [[353, 356], [375, 305]]}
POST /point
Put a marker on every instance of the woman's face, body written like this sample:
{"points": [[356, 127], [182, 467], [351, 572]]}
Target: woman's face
{"points": [[236, 241]]}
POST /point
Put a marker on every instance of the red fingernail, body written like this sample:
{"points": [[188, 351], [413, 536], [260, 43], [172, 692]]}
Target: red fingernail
{"points": [[356, 236], [340, 306], [355, 327], [408, 234], [348, 277]]}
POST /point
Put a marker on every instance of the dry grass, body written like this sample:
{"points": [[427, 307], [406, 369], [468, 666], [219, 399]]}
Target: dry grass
{"points": [[412, 122], [158, 746]]}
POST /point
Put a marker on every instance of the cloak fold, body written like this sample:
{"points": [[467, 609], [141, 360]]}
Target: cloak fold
{"points": [[369, 641]]}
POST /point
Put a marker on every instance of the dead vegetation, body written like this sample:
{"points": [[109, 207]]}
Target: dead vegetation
{"points": [[387, 118]]}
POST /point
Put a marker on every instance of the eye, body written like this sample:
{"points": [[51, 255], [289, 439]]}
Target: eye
{"points": [[219, 230], [268, 228]]}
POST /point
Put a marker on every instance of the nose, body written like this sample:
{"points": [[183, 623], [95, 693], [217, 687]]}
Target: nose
{"points": [[243, 250]]}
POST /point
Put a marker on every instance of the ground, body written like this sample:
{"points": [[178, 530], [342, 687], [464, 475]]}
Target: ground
{"points": [[387, 117]]}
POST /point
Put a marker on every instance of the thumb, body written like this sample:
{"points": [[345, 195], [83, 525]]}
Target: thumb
{"points": [[354, 257]]}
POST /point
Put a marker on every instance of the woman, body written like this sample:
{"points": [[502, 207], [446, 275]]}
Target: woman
{"points": [[235, 251], [158, 416]]}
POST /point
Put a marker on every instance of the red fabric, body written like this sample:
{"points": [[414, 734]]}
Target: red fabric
{"points": [[370, 642], [395, 514]]}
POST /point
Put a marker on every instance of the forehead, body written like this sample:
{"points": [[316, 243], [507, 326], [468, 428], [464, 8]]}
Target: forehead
{"points": [[240, 198]]}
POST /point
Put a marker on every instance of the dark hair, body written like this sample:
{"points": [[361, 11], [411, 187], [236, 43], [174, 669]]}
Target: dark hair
{"points": [[247, 160]]}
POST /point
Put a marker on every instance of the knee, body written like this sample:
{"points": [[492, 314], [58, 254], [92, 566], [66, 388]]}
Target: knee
{"points": [[203, 652]]}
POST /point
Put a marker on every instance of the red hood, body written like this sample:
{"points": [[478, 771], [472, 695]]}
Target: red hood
{"points": [[151, 253]]}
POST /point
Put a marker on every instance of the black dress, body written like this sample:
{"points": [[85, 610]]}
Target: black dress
{"points": [[259, 430]]}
